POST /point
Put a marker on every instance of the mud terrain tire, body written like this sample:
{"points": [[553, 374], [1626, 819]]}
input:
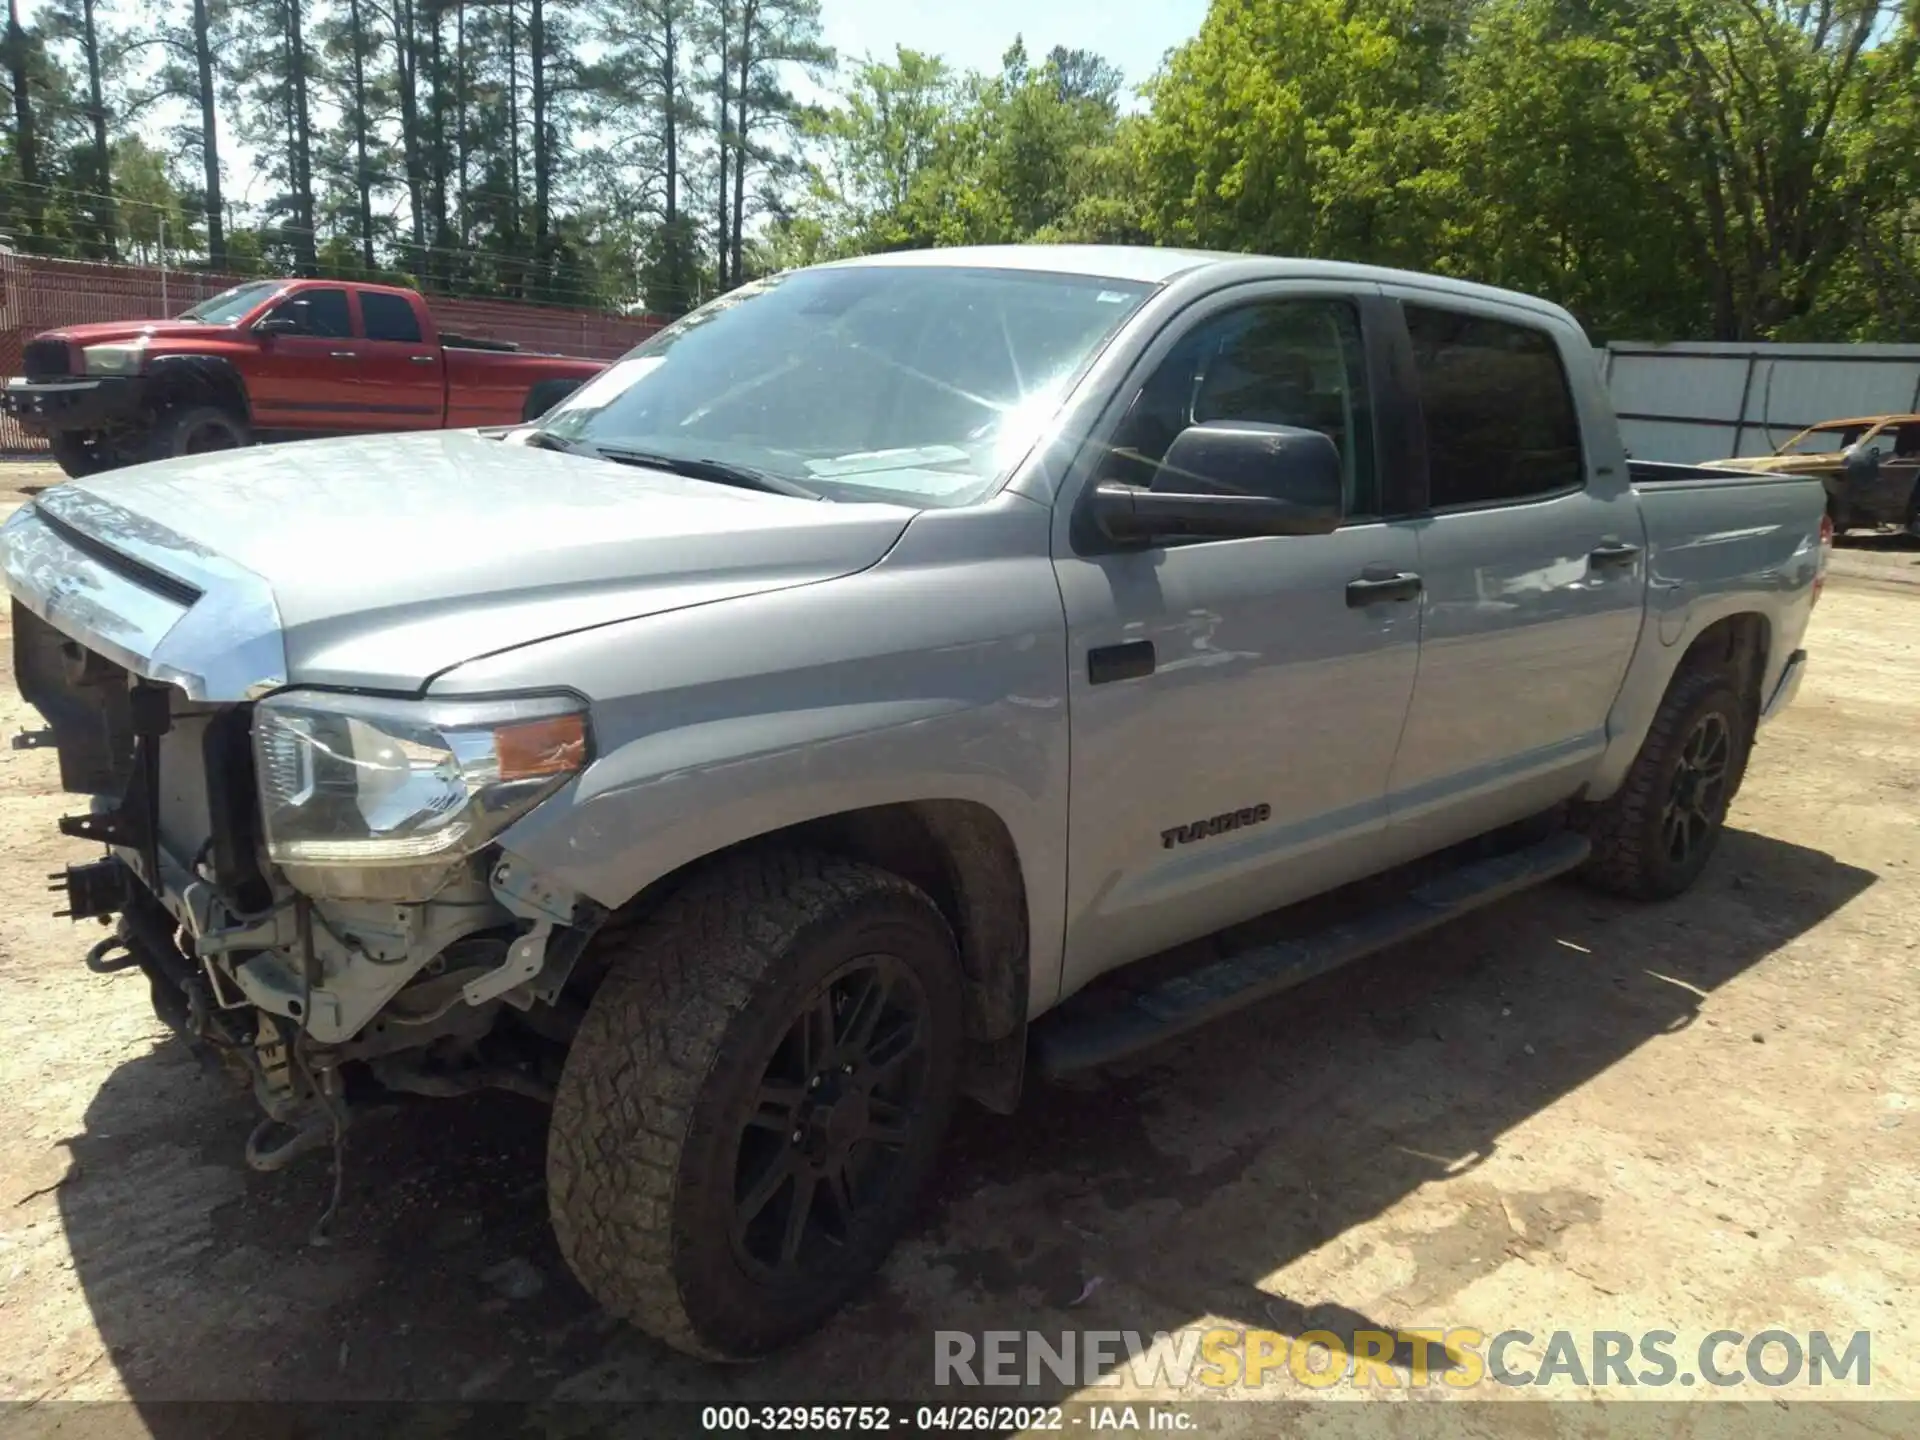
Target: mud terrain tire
{"points": [[784, 1009], [1655, 834]]}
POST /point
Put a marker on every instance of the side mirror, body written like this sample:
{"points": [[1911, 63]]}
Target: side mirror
{"points": [[1230, 479], [282, 322]]}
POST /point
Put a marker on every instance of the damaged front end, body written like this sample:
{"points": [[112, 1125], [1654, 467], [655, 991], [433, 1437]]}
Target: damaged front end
{"points": [[312, 881]]}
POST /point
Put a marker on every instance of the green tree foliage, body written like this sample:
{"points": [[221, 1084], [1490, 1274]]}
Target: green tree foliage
{"points": [[915, 155], [274, 71], [1664, 167], [1736, 169], [156, 224], [643, 107], [82, 34], [23, 49], [182, 43]]}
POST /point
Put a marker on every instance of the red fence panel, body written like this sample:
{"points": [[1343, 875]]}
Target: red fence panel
{"points": [[38, 294]]}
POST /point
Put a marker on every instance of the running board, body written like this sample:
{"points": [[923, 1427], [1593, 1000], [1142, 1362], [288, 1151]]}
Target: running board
{"points": [[1065, 1042]]}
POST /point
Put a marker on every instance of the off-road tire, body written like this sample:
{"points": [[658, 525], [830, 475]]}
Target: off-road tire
{"points": [[195, 430], [644, 1139], [1630, 856], [80, 455]]}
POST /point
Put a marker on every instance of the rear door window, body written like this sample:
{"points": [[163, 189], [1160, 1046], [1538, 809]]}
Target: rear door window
{"points": [[389, 317], [1500, 418]]}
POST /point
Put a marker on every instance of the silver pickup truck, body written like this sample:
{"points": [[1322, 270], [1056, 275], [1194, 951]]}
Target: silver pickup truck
{"points": [[782, 737]]}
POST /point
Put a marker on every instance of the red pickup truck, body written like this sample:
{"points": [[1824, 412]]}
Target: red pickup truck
{"points": [[272, 360]]}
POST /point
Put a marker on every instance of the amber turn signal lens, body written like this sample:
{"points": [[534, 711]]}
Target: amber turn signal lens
{"points": [[555, 745]]}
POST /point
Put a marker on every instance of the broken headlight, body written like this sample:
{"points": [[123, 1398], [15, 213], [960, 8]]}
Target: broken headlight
{"points": [[352, 780]]}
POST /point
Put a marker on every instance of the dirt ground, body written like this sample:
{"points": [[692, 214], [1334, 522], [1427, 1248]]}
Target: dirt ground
{"points": [[1565, 1112]]}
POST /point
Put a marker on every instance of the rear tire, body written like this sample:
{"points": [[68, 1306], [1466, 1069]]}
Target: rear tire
{"points": [[1655, 834], [196, 430], [754, 1100]]}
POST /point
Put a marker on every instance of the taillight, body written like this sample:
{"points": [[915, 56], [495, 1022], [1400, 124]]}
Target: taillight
{"points": [[1826, 554]]}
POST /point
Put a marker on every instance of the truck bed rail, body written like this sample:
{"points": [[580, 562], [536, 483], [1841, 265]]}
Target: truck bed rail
{"points": [[451, 341], [1662, 472]]}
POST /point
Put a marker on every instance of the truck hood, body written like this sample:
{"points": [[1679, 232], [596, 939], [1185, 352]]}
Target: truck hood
{"points": [[123, 330], [381, 561]]}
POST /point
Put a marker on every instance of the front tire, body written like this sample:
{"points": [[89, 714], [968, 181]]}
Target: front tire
{"points": [[754, 1100], [1655, 834], [81, 454], [196, 430]]}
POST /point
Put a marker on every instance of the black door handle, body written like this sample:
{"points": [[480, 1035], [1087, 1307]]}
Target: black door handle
{"points": [[1375, 586], [1613, 556], [1107, 663]]}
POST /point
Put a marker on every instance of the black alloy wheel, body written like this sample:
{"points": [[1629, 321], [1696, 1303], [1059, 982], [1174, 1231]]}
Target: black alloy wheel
{"points": [[839, 1100], [1697, 793]]}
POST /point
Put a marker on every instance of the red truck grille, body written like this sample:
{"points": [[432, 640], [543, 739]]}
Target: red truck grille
{"points": [[47, 359]]}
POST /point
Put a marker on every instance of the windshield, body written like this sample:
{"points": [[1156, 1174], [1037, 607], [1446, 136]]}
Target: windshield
{"points": [[1824, 440], [922, 385], [230, 305]]}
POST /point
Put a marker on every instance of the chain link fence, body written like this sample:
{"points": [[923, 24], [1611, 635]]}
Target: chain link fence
{"points": [[38, 294]]}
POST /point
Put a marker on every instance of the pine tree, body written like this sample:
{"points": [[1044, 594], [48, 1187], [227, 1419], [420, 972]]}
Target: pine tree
{"points": [[20, 48], [188, 38], [645, 92], [76, 26], [274, 70], [770, 36]]}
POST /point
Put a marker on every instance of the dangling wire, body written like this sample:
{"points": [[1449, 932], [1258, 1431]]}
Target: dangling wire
{"points": [[319, 1235]]}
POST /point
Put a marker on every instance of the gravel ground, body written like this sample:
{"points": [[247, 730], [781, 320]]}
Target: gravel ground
{"points": [[1565, 1112]]}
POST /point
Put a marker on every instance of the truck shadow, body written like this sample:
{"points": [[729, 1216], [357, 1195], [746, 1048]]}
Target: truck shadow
{"points": [[1893, 541], [1147, 1198]]}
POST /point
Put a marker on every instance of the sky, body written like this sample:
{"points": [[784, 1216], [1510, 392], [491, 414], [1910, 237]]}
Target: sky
{"points": [[973, 34]]}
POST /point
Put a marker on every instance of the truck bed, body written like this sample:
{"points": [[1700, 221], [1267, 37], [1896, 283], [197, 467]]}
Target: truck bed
{"points": [[1728, 529], [1662, 472]]}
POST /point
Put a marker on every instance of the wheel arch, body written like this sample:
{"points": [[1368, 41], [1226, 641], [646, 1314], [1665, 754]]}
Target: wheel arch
{"points": [[1737, 637], [1741, 644], [963, 855], [198, 379]]}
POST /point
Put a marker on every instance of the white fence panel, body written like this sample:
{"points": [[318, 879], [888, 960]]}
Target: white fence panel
{"points": [[1691, 402]]}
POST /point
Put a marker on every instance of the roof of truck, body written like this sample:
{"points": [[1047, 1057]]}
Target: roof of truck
{"points": [[1114, 262], [1154, 265]]}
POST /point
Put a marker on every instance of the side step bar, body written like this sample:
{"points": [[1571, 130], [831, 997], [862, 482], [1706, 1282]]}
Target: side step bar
{"points": [[1065, 1042]]}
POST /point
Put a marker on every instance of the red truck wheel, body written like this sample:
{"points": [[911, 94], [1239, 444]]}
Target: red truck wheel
{"points": [[196, 430]]}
